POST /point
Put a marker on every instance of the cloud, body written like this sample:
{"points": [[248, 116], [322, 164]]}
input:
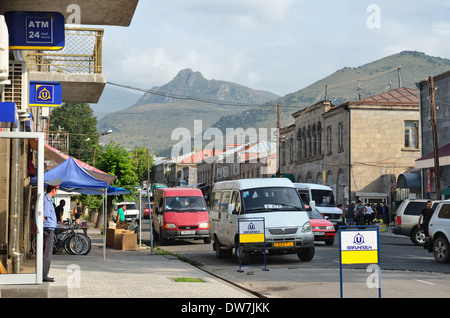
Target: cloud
{"points": [[244, 13]]}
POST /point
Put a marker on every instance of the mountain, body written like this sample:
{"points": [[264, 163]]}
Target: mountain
{"points": [[345, 85], [151, 121]]}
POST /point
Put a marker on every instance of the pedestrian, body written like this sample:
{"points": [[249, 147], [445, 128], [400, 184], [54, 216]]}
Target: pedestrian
{"points": [[351, 214], [425, 215], [50, 223], [59, 210], [77, 213], [386, 213], [359, 213], [379, 212], [368, 214]]}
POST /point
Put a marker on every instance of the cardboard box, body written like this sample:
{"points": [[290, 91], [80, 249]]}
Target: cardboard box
{"points": [[125, 240], [110, 236]]}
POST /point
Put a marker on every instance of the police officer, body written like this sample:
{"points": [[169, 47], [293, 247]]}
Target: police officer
{"points": [[50, 223]]}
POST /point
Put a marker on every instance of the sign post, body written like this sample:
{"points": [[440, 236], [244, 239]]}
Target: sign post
{"points": [[359, 245], [251, 231]]}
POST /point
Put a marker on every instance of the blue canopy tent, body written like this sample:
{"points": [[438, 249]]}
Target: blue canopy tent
{"points": [[76, 179]]}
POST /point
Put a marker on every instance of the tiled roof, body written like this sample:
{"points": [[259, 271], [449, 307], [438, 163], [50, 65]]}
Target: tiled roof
{"points": [[399, 96]]}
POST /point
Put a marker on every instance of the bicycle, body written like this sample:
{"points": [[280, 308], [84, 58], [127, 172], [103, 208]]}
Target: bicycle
{"points": [[68, 238]]}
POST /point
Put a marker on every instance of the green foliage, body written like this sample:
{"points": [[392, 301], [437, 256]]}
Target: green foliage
{"points": [[80, 122], [115, 160], [143, 161]]}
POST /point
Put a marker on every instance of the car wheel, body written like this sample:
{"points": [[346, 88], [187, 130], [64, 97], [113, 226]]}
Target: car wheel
{"points": [[441, 250], [306, 254], [246, 255], [417, 236], [220, 252]]}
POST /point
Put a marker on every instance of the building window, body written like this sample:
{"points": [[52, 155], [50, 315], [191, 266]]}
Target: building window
{"points": [[341, 136], [319, 138], [411, 133], [291, 150], [299, 144], [329, 139]]}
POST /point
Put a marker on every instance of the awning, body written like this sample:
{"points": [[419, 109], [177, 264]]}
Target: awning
{"points": [[59, 157], [427, 161], [408, 180]]}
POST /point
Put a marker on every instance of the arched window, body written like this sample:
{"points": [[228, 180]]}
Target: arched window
{"points": [[319, 138], [299, 144], [308, 138], [314, 143]]}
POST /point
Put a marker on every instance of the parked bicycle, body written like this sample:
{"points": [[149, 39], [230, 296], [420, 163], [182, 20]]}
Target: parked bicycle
{"points": [[69, 239]]}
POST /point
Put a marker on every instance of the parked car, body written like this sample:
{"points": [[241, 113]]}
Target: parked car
{"points": [[439, 231], [148, 208], [323, 229], [405, 222]]}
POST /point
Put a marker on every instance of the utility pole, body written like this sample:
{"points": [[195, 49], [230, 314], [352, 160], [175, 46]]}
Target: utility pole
{"points": [[399, 77], [278, 174], [435, 138]]}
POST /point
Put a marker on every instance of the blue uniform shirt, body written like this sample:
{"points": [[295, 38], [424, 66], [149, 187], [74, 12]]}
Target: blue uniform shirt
{"points": [[49, 213]]}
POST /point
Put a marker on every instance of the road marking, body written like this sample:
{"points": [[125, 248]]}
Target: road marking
{"points": [[425, 282]]}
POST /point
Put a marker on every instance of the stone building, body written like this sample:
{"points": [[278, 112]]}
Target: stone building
{"points": [[426, 163], [358, 148]]}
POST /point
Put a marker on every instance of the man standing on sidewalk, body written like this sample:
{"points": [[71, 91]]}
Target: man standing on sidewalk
{"points": [[50, 223]]}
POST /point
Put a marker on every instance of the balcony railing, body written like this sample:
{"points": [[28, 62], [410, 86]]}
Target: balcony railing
{"points": [[82, 53]]}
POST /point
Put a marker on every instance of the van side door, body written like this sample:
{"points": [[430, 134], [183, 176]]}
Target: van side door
{"points": [[232, 224], [222, 232], [214, 205]]}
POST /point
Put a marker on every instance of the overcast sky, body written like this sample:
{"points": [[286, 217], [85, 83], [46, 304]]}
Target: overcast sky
{"points": [[280, 46]]}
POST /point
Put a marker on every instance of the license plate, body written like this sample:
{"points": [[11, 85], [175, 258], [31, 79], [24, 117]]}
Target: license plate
{"points": [[319, 233], [283, 244], [187, 232]]}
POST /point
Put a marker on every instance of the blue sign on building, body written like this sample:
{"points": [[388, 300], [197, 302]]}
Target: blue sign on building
{"points": [[35, 30], [45, 94]]}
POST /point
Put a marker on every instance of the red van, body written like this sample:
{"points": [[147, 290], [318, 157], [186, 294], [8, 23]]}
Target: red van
{"points": [[180, 214]]}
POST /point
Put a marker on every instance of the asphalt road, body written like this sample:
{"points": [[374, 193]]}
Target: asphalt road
{"points": [[407, 271]]}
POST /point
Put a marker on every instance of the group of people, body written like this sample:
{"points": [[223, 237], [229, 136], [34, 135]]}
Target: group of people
{"points": [[365, 214]]}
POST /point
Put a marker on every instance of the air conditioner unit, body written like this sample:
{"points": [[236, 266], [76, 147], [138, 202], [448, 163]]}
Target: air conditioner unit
{"points": [[17, 90], [4, 51]]}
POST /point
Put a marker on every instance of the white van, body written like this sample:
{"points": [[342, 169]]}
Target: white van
{"points": [[287, 226], [131, 210], [321, 198]]}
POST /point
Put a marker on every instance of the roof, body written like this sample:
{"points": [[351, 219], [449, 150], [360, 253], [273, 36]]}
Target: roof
{"points": [[399, 96], [243, 184], [173, 192]]}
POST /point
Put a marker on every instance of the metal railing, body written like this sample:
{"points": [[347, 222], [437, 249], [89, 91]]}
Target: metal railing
{"points": [[82, 53]]}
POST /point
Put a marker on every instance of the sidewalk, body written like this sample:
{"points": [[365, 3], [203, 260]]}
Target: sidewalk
{"points": [[130, 274]]}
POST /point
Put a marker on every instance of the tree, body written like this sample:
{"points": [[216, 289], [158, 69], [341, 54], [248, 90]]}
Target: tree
{"points": [[79, 120], [143, 162], [115, 160]]}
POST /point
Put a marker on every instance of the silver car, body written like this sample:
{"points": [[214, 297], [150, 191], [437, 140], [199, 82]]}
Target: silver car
{"points": [[407, 218]]}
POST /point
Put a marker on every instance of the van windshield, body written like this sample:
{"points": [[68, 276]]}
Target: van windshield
{"points": [[323, 198], [185, 204], [271, 199]]}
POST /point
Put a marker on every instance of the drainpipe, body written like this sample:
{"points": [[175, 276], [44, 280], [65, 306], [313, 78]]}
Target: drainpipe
{"points": [[14, 251]]}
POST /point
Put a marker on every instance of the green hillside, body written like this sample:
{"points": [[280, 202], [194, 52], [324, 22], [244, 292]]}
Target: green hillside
{"points": [[344, 85], [151, 121]]}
